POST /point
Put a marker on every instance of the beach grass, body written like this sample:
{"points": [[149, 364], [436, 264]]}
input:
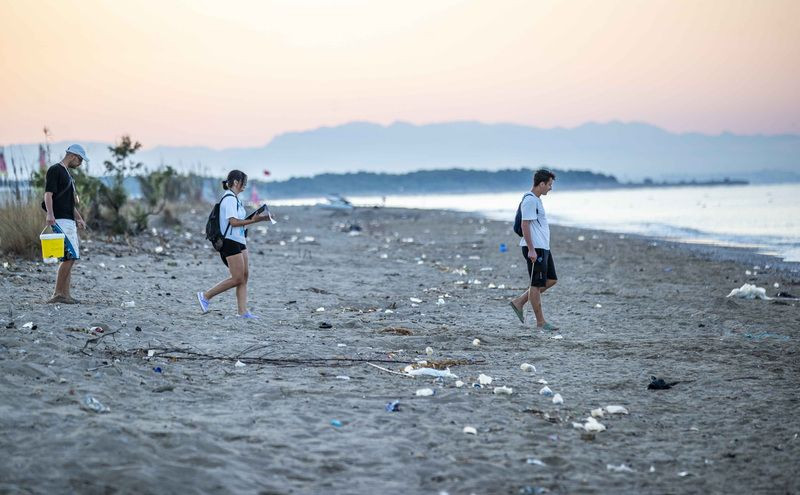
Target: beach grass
{"points": [[20, 226]]}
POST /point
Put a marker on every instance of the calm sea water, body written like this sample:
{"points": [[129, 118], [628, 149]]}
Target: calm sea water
{"points": [[764, 217]]}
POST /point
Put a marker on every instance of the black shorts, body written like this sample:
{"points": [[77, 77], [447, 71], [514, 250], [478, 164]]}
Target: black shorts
{"points": [[543, 270], [230, 248]]}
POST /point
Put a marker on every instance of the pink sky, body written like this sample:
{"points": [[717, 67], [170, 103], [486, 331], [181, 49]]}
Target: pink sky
{"points": [[237, 73]]}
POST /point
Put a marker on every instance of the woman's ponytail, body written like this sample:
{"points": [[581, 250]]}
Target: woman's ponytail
{"points": [[234, 175]]}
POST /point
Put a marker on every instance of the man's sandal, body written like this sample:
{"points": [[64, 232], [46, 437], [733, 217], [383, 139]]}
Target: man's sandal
{"points": [[517, 311]]}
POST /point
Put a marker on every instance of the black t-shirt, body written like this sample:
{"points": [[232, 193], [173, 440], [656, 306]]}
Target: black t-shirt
{"points": [[59, 182]]}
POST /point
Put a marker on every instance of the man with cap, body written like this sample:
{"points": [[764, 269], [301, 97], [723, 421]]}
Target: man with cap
{"points": [[63, 217]]}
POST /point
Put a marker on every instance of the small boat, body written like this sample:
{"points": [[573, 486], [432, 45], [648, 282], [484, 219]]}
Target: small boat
{"points": [[336, 202]]}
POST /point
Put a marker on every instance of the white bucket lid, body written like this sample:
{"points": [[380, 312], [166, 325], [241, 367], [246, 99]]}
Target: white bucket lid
{"points": [[46, 237]]}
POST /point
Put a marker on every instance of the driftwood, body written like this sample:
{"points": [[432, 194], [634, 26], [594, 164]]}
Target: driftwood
{"points": [[387, 370]]}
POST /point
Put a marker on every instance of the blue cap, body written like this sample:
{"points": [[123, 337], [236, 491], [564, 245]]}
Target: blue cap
{"points": [[77, 149]]}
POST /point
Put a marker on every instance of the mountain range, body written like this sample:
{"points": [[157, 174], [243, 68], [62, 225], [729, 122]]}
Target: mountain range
{"points": [[629, 151]]}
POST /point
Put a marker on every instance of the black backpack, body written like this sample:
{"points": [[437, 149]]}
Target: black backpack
{"points": [[518, 218], [213, 234]]}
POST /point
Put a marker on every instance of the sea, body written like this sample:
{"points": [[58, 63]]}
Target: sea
{"points": [[764, 218]]}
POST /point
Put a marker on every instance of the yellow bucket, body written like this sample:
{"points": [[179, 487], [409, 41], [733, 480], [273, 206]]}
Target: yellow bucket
{"points": [[52, 246]]}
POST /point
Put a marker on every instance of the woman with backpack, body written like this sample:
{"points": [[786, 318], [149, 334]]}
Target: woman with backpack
{"points": [[232, 220]]}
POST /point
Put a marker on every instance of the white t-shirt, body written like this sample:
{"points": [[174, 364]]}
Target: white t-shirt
{"points": [[230, 207], [533, 210]]}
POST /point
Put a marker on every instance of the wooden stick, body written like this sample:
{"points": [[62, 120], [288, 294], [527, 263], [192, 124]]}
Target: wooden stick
{"points": [[390, 371]]}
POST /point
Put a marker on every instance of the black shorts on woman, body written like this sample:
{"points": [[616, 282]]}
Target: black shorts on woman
{"points": [[230, 248], [543, 269]]}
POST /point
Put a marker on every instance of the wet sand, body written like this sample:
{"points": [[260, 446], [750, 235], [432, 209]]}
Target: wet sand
{"points": [[628, 309]]}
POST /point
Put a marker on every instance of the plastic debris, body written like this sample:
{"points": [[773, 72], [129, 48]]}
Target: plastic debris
{"points": [[129, 304], [440, 302], [29, 326], [342, 377], [91, 404], [159, 249], [320, 309], [393, 406], [503, 390], [546, 391], [388, 312], [557, 337], [652, 469], [239, 364], [470, 430], [683, 474], [157, 369], [476, 342], [151, 352], [503, 248], [557, 399], [622, 468], [429, 351], [336, 423], [597, 413], [484, 379], [536, 462], [459, 384], [529, 368], [431, 372], [415, 300], [325, 325], [598, 305], [616, 410], [592, 425], [425, 392], [749, 291], [542, 381]]}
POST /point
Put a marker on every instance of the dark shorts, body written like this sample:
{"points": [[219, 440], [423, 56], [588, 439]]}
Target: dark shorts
{"points": [[230, 248], [543, 270]]}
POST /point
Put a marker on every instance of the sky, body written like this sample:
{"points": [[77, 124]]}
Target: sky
{"points": [[237, 73]]}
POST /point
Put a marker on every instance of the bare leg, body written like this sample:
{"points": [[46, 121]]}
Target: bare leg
{"points": [[63, 278], [550, 282], [520, 301], [241, 289], [236, 267], [535, 298]]}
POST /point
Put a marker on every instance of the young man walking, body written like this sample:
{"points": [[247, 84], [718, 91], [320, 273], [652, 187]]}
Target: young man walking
{"points": [[63, 217], [535, 245]]}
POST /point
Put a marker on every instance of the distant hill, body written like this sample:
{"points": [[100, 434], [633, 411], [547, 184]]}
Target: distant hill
{"points": [[431, 181], [629, 151]]}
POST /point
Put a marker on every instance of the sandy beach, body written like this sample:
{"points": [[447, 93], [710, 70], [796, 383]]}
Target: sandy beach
{"points": [[303, 412]]}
